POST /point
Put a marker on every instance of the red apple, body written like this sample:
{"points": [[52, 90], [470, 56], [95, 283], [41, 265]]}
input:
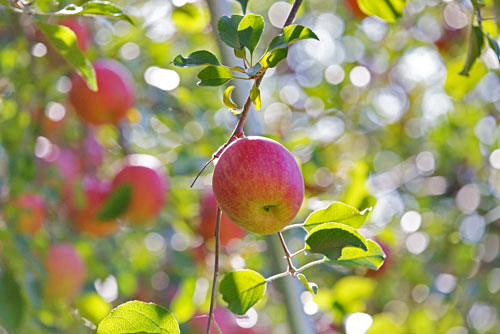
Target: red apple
{"points": [[65, 272], [86, 220], [31, 213], [114, 97], [258, 184], [93, 152], [354, 8], [149, 187], [208, 215], [81, 30]]}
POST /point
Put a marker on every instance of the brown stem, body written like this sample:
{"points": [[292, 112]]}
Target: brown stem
{"points": [[216, 269], [291, 268], [293, 12]]}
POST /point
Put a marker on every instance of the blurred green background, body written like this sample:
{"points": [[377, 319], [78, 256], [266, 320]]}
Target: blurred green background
{"points": [[376, 114]]}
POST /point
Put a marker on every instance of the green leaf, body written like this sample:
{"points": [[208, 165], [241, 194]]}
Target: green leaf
{"points": [[311, 287], [291, 34], [255, 97], [101, 8], [116, 204], [139, 317], [214, 76], [228, 30], [373, 258], [494, 45], [249, 31], [197, 58], [182, 305], [227, 98], [244, 4], [242, 289], [337, 212], [474, 51], [278, 48], [64, 40], [387, 10], [240, 53], [329, 239], [12, 302]]}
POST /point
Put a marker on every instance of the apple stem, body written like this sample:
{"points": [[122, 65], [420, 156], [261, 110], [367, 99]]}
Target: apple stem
{"points": [[238, 130], [216, 269], [291, 268], [290, 227]]}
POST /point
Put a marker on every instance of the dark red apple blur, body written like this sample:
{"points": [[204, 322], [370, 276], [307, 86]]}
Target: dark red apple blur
{"points": [[114, 97], [208, 215], [81, 30], [149, 188], [86, 220], [354, 8], [31, 210], [258, 184], [65, 272]]}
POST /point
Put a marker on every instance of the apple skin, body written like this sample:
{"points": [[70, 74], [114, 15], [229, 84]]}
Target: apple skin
{"points": [[66, 272], [31, 213], [96, 192], [149, 188], [110, 103], [81, 30], [208, 216], [258, 184]]}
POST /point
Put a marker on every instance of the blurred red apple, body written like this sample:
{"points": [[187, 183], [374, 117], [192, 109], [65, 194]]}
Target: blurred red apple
{"points": [[81, 30], [354, 8], [65, 272], [86, 220], [114, 97], [148, 191], [93, 152], [258, 184], [208, 215], [31, 213]]}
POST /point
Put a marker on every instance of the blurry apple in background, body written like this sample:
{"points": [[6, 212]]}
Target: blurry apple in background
{"points": [[226, 321], [148, 187], [208, 215], [354, 8], [81, 30], [93, 152], [85, 214], [30, 213], [113, 99], [258, 184], [65, 272]]}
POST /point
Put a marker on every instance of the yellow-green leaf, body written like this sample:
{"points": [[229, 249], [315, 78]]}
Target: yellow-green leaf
{"points": [[388, 10], [373, 258], [255, 97], [64, 40], [242, 289], [226, 98]]}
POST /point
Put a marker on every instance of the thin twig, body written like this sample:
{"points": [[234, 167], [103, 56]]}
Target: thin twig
{"points": [[216, 269], [298, 252], [291, 268], [310, 264], [293, 12], [275, 277], [290, 227]]}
